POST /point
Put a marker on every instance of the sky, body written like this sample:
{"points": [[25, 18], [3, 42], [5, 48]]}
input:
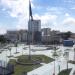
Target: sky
{"points": [[54, 14]]}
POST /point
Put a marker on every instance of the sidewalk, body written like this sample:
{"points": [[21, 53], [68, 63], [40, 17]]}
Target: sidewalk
{"points": [[48, 69], [72, 71]]}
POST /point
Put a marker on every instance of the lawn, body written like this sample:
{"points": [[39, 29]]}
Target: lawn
{"points": [[19, 69], [65, 72]]}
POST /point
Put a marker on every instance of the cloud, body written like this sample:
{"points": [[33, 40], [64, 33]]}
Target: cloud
{"points": [[69, 1], [73, 8], [67, 14], [18, 9], [55, 10], [46, 19], [69, 21], [2, 29], [16, 6], [67, 24]]}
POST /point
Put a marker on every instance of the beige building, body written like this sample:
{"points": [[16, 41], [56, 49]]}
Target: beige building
{"points": [[12, 35], [23, 35], [20, 36], [49, 36]]}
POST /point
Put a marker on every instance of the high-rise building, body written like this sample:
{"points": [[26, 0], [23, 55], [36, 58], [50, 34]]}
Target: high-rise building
{"points": [[34, 28], [34, 25]]}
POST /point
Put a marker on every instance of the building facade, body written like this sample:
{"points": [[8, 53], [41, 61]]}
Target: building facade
{"points": [[12, 36], [50, 37], [34, 31], [23, 35], [19, 36], [34, 25]]}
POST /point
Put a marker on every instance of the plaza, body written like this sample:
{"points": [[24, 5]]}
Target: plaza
{"points": [[46, 68]]}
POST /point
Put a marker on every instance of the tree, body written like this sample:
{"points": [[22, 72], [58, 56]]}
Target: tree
{"points": [[66, 35], [2, 39]]}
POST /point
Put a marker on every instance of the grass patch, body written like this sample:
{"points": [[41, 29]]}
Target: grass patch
{"points": [[19, 69], [65, 72], [73, 62], [41, 58]]}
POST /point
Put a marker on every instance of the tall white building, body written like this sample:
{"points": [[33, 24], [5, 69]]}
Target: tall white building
{"points": [[34, 25], [34, 29]]}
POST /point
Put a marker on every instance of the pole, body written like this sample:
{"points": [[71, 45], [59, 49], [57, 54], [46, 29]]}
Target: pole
{"points": [[59, 68], [67, 65], [10, 52], [29, 52], [74, 54], [54, 68], [6, 56]]}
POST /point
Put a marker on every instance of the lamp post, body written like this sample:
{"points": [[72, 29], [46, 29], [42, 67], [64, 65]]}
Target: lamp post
{"points": [[55, 55], [59, 65], [74, 54], [16, 44], [66, 56], [22, 51], [10, 53], [1, 60], [6, 55], [59, 61]]}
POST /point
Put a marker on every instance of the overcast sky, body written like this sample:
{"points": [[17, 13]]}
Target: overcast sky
{"points": [[56, 14]]}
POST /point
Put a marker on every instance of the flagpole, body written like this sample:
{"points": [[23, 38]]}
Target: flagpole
{"points": [[29, 32]]}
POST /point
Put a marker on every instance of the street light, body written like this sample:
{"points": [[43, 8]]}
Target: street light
{"points": [[66, 56], [10, 53], [6, 55], [16, 44], [1, 60], [55, 55], [59, 65], [22, 51], [74, 54], [59, 61]]}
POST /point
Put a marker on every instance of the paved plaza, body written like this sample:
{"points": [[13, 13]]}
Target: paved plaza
{"points": [[46, 69]]}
